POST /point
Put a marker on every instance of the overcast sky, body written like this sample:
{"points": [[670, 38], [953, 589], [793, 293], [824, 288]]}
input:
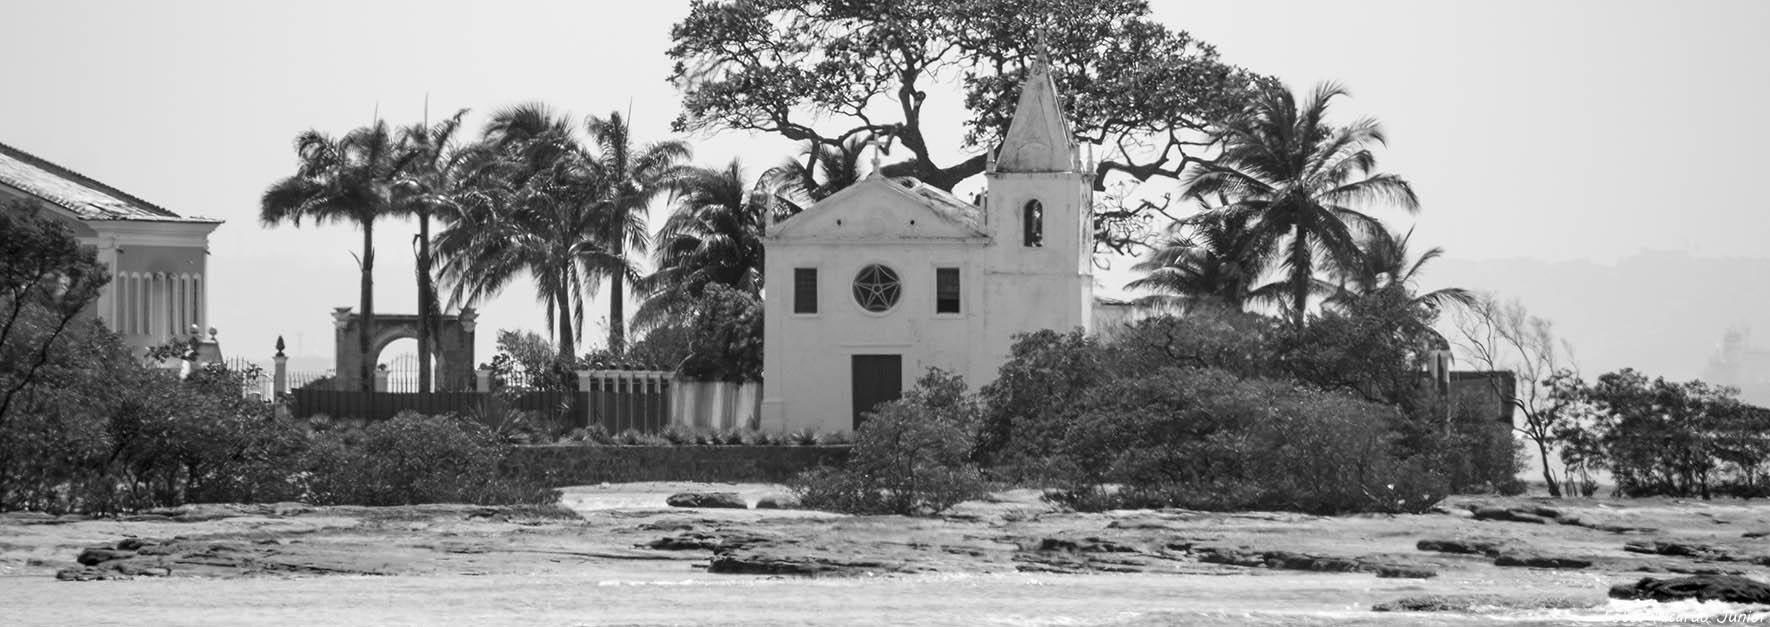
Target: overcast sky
{"points": [[1583, 133]]}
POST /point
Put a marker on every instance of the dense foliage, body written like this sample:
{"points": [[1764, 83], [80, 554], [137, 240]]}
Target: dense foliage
{"points": [[1225, 409], [909, 457], [725, 341], [1659, 437]]}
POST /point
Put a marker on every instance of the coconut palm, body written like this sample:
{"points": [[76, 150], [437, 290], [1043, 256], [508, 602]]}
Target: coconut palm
{"points": [[533, 203], [714, 236], [634, 175], [1302, 183], [817, 172], [430, 182], [1210, 259], [1384, 261], [539, 230], [344, 179]]}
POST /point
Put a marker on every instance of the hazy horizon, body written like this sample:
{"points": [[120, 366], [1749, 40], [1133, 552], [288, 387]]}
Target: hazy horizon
{"points": [[1551, 143]]}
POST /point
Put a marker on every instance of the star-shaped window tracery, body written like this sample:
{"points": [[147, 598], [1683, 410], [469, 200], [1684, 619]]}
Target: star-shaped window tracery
{"points": [[876, 288]]}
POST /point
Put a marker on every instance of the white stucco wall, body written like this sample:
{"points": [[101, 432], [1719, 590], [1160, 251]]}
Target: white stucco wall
{"points": [[807, 357]]}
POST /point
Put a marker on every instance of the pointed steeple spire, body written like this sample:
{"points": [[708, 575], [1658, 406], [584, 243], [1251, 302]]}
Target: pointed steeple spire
{"points": [[1039, 139]]}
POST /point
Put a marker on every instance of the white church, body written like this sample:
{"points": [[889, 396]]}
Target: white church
{"points": [[874, 285]]}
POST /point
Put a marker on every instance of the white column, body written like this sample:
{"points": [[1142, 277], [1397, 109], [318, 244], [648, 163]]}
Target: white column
{"points": [[157, 306], [120, 302], [135, 307], [202, 305], [177, 309]]}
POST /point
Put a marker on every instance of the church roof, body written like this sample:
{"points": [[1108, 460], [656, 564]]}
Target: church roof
{"points": [[86, 198], [1039, 138], [880, 207]]}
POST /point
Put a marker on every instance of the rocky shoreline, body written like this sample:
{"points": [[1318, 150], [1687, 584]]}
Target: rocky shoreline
{"points": [[1015, 532]]}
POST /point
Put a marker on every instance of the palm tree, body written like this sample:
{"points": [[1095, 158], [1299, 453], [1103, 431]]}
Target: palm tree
{"points": [[541, 229], [1209, 259], [1301, 182], [818, 172], [634, 176], [532, 202], [344, 179], [1383, 262], [429, 183], [714, 236]]}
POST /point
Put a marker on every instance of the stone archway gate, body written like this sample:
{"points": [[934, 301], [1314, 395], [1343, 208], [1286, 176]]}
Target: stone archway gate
{"points": [[452, 348]]}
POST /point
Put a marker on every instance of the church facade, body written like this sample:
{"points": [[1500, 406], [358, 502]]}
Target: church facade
{"points": [[876, 284]]}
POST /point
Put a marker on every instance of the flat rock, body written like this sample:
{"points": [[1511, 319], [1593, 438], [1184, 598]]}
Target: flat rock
{"points": [[764, 561], [1084, 545], [725, 500], [1476, 602], [1290, 560], [1404, 572], [1464, 546], [95, 555], [1537, 560], [1725, 588], [88, 574], [704, 540], [777, 502], [1677, 549], [1487, 512]]}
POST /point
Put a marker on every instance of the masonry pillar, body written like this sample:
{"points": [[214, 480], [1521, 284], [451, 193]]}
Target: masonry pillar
{"points": [[279, 378], [482, 380]]}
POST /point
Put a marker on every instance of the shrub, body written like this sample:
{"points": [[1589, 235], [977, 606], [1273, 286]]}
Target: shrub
{"points": [[679, 435], [803, 437], [1207, 439], [725, 337], [910, 458], [1031, 403], [417, 459]]}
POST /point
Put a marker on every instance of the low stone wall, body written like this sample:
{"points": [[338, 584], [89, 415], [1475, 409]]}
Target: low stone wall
{"points": [[576, 464]]}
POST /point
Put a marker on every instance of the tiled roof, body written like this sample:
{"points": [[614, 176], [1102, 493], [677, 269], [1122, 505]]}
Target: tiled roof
{"points": [[944, 203], [85, 197]]}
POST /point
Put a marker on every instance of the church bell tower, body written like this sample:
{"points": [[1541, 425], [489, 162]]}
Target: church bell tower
{"points": [[1040, 202]]}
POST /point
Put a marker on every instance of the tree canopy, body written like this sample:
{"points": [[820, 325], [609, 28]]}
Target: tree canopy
{"points": [[823, 71]]}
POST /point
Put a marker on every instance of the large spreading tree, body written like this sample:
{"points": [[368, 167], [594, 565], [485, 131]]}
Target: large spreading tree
{"points": [[825, 71]]}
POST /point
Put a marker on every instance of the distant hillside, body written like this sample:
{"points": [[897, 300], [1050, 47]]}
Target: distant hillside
{"points": [[1661, 313]]}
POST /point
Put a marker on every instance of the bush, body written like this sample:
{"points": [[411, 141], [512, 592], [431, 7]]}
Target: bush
{"points": [[415, 459], [1207, 439], [1031, 404], [909, 458], [725, 338]]}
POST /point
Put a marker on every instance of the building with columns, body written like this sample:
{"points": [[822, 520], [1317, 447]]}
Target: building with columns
{"points": [[158, 259], [871, 287]]}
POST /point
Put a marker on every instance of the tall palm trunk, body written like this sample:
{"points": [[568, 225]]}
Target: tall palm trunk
{"points": [[1302, 273], [617, 295], [366, 369], [426, 315], [563, 301]]}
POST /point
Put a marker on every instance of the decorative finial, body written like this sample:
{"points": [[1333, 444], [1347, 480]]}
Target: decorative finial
{"points": [[875, 143], [1041, 49], [280, 346], [212, 333]]}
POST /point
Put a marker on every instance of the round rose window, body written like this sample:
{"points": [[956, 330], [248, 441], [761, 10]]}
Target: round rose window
{"points": [[876, 288]]}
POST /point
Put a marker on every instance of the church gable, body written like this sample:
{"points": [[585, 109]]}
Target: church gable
{"points": [[885, 209]]}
